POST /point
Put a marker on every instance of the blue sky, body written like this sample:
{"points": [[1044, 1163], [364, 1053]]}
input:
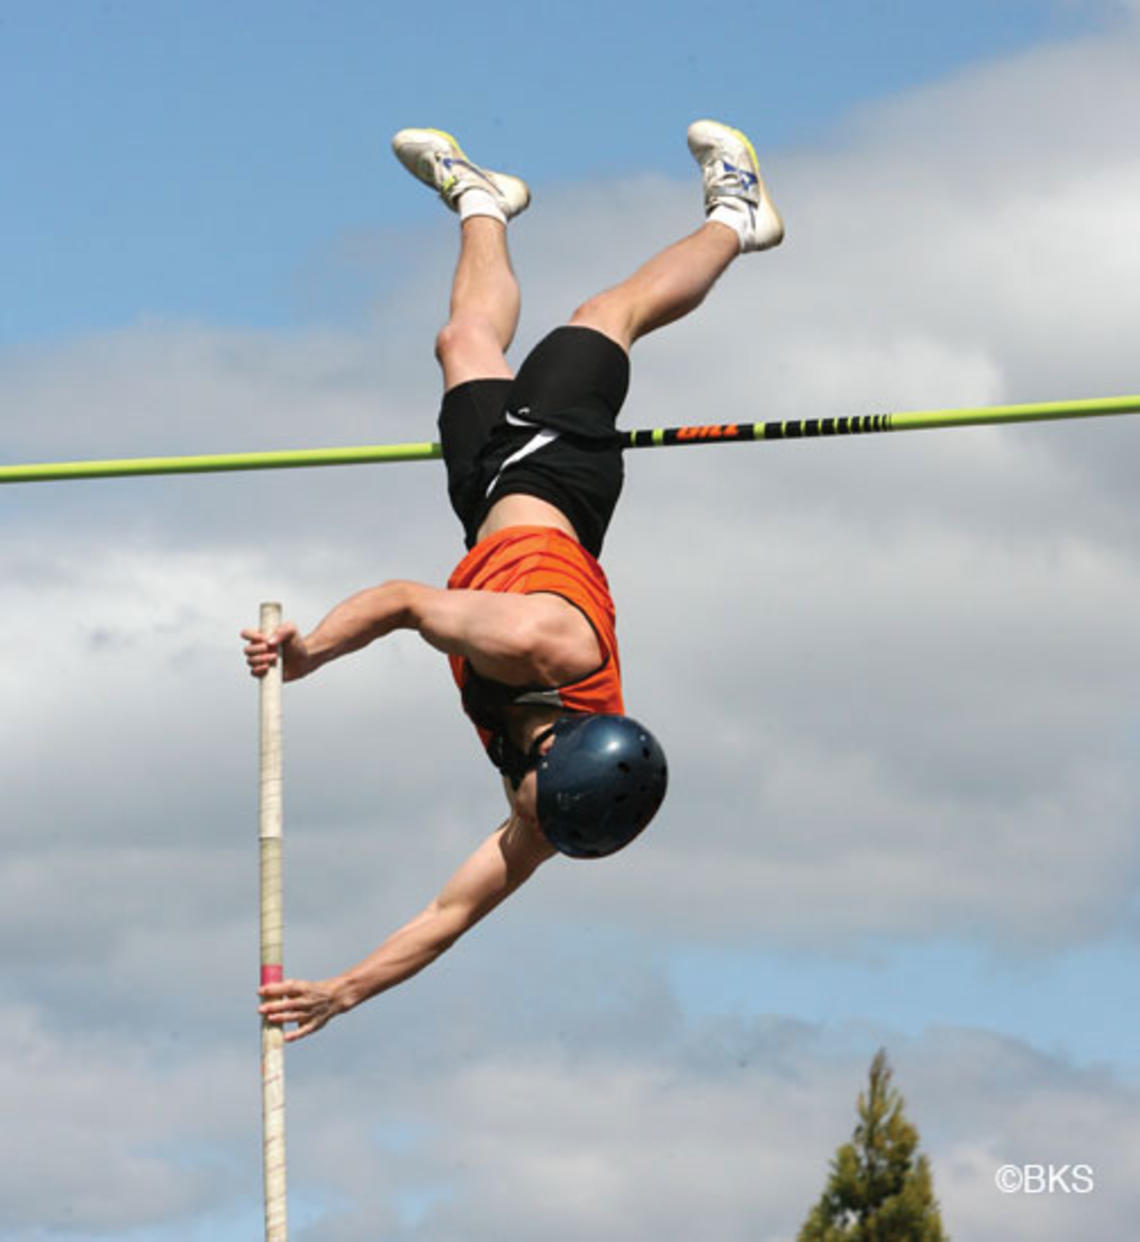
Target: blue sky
{"points": [[896, 678], [179, 161]]}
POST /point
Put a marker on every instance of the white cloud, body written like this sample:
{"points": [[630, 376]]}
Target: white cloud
{"points": [[726, 1127], [108, 1134], [724, 1130]]}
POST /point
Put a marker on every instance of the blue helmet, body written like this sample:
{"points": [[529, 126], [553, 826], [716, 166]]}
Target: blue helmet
{"points": [[599, 785]]}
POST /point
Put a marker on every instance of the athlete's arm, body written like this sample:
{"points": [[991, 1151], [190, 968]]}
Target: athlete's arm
{"points": [[513, 638], [495, 870], [352, 624]]}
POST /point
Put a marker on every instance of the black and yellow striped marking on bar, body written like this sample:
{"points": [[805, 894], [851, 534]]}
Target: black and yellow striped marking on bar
{"points": [[726, 433]]}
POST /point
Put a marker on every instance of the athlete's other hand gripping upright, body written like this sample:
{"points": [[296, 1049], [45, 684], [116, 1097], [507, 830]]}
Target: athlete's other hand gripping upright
{"points": [[534, 470]]}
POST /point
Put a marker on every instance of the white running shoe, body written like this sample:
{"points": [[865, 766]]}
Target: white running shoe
{"points": [[438, 160], [732, 181]]}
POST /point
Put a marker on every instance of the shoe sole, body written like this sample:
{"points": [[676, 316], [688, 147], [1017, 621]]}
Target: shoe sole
{"points": [[751, 150]]}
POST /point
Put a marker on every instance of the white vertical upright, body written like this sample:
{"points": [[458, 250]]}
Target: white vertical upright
{"points": [[272, 1036]]}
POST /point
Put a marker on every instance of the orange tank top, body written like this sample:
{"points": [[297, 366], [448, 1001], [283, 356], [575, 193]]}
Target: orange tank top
{"points": [[528, 560]]}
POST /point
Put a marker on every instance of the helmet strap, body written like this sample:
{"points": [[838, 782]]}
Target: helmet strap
{"points": [[518, 762]]}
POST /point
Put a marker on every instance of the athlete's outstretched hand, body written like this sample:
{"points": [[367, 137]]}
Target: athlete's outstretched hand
{"points": [[309, 1005], [261, 652]]}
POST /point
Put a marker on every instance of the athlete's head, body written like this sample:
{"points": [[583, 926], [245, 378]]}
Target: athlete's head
{"points": [[599, 783]]}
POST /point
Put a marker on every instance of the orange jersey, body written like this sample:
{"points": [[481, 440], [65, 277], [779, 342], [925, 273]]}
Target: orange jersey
{"points": [[528, 560]]}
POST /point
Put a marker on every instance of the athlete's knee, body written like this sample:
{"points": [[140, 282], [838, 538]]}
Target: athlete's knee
{"points": [[598, 309], [607, 314], [466, 338], [452, 339], [466, 349]]}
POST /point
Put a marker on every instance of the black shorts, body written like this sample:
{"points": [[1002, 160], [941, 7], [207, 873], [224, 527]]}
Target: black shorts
{"points": [[549, 433]]}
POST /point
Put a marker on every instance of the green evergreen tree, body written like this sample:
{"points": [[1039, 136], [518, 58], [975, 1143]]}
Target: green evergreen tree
{"points": [[878, 1191]]}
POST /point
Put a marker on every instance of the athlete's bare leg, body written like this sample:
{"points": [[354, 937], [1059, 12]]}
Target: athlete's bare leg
{"points": [[740, 218], [673, 283], [484, 306], [472, 345]]}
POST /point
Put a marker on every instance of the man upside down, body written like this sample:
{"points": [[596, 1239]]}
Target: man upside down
{"points": [[534, 470]]}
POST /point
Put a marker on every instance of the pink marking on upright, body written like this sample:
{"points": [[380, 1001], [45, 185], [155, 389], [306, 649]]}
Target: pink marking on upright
{"points": [[272, 974]]}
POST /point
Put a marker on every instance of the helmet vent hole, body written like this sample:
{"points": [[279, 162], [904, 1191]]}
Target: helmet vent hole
{"points": [[623, 767]]}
